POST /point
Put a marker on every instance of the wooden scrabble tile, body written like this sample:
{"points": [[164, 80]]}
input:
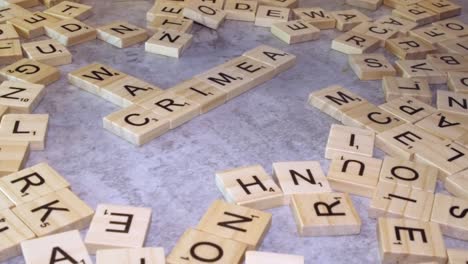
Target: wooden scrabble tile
{"points": [[280, 3], [349, 140], [121, 34], [207, 96], [13, 156], [238, 223], [300, 177], [408, 109], [396, 3], [448, 62], [371, 117], [450, 213], [457, 256], [32, 183], [444, 8], [408, 48], [269, 15], [355, 43], [315, 16], [348, 19], [410, 241], [457, 184], [12, 232], [10, 51], [24, 3], [153, 255], [10, 11], [354, 174], [463, 140], [116, 226], [219, 4], [401, 141], [250, 186], [50, 52], [443, 125], [325, 214], [278, 59], [454, 26], [393, 200], [128, 90], [20, 97], [399, 24], [432, 34], [457, 46], [197, 246], [136, 124], [93, 77], [257, 257], [367, 4], [420, 69], [458, 82], [32, 25], [70, 32], [414, 175], [66, 246], [69, 9], [7, 31], [170, 106], [243, 10], [252, 69], [371, 66], [27, 70], [25, 127], [456, 103], [56, 212], [396, 87], [168, 43], [5, 203], [295, 31], [376, 30], [170, 23], [165, 8], [204, 14], [415, 13]]}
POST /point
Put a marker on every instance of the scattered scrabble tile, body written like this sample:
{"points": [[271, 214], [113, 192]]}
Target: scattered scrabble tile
{"points": [[367, 4], [13, 155], [448, 62], [269, 15], [171, 23], [451, 214], [376, 30], [197, 246], [421, 69], [204, 94], [456, 103], [300, 177], [458, 82], [56, 212], [278, 59], [457, 184], [24, 3], [20, 97], [355, 43], [325, 214], [10, 51], [10, 11], [393, 200], [257, 257], [32, 183], [396, 87], [204, 14], [25, 127], [315, 16], [70, 32], [432, 34], [443, 125], [121, 34], [457, 256], [249, 186], [50, 3], [295, 31], [238, 223], [115, 226], [443, 8], [12, 232], [135, 124], [50, 52], [410, 241], [280, 3], [371, 117], [93, 77], [31, 26], [408, 48], [131, 255], [456, 45], [349, 140], [415, 13], [128, 90], [454, 26], [348, 19], [27, 70], [408, 109], [165, 8], [354, 174], [254, 71], [396, 3], [243, 10], [168, 43], [57, 248], [371, 66], [69, 9], [335, 100], [7, 31]]}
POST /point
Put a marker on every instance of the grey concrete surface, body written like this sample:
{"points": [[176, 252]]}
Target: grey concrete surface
{"points": [[174, 174]]}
